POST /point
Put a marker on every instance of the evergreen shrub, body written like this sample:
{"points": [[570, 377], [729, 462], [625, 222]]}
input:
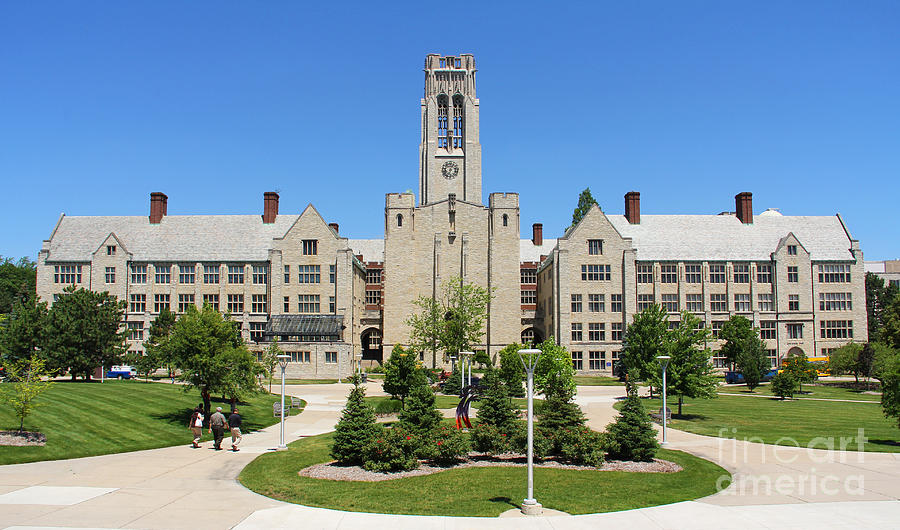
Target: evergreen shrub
{"points": [[631, 436], [356, 429]]}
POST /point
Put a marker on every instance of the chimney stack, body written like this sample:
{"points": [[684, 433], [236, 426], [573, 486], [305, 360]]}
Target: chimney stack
{"points": [[270, 207], [633, 207], [537, 234], [335, 227], [743, 207], [158, 207]]}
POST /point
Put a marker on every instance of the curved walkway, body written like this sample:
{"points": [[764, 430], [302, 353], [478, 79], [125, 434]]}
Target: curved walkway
{"points": [[179, 487]]}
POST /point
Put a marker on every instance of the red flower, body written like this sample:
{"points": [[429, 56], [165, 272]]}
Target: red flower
{"points": [[504, 434], [407, 437], [439, 443]]}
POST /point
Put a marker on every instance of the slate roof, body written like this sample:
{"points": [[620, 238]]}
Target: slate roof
{"points": [[528, 251], [371, 249], [328, 326], [725, 237]]}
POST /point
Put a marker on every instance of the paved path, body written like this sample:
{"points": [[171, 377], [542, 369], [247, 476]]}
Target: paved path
{"points": [[178, 487]]}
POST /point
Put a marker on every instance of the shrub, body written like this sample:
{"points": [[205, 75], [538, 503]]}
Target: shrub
{"points": [[401, 373], [784, 385], [453, 385], [356, 429], [447, 446], [496, 408], [392, 450], [420, 416], [482, 359], [631, 436], [543, 441], [511, 371], [377, 369], [488, 439], [582, 447], [388, 406], [558, 415]]}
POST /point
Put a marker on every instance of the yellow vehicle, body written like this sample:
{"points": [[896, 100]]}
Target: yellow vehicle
{"points": [[821, 364]]}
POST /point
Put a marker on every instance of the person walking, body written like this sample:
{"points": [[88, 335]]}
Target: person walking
{"points": [[217, 428], [196, 426], [234, 422]]}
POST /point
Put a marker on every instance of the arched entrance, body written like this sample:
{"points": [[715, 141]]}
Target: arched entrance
{"points": [[796, 351], [370, 339], [531, 336]]}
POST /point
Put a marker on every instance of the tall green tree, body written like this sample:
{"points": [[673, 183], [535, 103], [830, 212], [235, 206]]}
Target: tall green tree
{"points": [[800, 369], [270, 360], [401, 373], [157, 343], [878, 298], [25, 331], [17, 282], [744, 348], [585, 201], [690, 373], [511, 371], [643, 342], [85, 332], [554, 374], [465, 308], [890, 332], [888, 372], [844, 360], [426, 327]]}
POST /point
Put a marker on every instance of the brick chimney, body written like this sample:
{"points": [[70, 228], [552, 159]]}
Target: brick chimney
{"points": [[335, 227], [537, 234], [633, 207], [270, 207], [743, 206], [158, 207]]}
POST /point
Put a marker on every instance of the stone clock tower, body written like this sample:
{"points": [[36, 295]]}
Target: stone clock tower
{"points": [[450, 152]]}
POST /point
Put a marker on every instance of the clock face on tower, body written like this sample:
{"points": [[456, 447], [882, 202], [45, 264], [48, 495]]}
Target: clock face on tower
{"points": [[449, 169]]}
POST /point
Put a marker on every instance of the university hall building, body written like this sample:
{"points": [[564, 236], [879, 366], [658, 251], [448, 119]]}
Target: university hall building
{"points": [[333, 300]]}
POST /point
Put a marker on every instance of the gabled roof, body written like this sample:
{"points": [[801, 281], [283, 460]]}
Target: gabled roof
{"points": [[370, 249], [528, 251]]}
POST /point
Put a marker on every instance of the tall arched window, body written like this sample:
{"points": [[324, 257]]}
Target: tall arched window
{"points": [[505, 219], [443, 104], [399, 219], [458, 122]]}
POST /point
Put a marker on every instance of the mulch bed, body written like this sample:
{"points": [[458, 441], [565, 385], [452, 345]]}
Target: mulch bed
{"points": [[22, 438], [333, 471]]}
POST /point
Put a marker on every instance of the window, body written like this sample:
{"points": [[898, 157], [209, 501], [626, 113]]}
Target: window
{"points": [[765, 302], [792, 250], [718, 303], [669, 302], [287, 274], [287, 304], [458, 118], [831, 274], [138, 303], [160, 302], [135, 330], [645, 273], [110, 275], [644, 301], [717, 328], [597, 331], [235, 274], [894, 283], [795, 331], [668, 273], [310, 247], [163, 273], [835, 301], [793, 302], [331, 273], [374, 297], [399, 219], [528, 336], [742, 303], [577, 360], [67, 274], [299, 356], [331, 357], [331, 305], [576, 303], [505, 220], [596, 303], [259, 303], [211, 274], [595, 247], [373, 276], [184, 302], [308, 274], [235, 303], [773, 358], [186, 274], [717, 273], [257, 329], [694, 303], [836, 329], [594, 273], [111, 251], [374, 340], [594, 362], [616, 330], [793, 276], [767, 329], [261, 274], [528, 276], [764, 273], [138, 274], [529, 297], [615, 303], [692, 273], [308, 303], [212, 300], [741, 273], [576, 332]]}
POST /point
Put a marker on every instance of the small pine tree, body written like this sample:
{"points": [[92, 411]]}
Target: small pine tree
{"points": [[784, 385], [496, 409], [453, 385], [559, 417], [356, 429], [419, 415], [631, 436]]}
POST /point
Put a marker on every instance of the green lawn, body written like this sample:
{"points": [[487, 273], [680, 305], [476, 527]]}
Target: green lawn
{"points": [[817, 391], [770, 419], [597, 380], [86, 419], [484, 492]]}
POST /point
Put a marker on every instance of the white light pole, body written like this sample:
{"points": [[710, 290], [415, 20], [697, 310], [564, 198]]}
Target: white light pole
{"points": [[664, 362], [282, 362], [467, 355], [529, 360]]}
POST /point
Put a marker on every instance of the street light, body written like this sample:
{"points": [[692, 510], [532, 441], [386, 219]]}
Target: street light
{"points": [[664, 362], [467, 355], [529, 360], [282, 362]]}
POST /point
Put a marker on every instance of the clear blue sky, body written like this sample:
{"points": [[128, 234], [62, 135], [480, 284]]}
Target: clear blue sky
{"points": [[214, 103]]}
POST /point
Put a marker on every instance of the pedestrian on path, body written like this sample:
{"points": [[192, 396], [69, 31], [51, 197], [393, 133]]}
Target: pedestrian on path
{"points": [[217, 428], [234, 422], [196, 426]]}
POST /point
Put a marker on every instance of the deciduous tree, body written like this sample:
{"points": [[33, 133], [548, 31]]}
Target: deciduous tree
{"points": [[744, 348], [27, 385], [401, 373], [690, 373], [17, 282], [800, 369], [25, 332], [644, 340]]}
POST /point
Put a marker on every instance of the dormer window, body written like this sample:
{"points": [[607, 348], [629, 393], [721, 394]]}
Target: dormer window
{"points": [[792, 250], [110, 250]]}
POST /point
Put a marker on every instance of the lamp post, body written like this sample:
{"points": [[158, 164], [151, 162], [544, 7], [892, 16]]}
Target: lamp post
{"points": [[282, 362], [529, 360], [664, 362], [467, 355]]}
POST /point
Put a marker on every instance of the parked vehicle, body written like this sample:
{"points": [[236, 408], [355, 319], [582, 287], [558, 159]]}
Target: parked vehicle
{"points": [[737, 377], [120, 372]]}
